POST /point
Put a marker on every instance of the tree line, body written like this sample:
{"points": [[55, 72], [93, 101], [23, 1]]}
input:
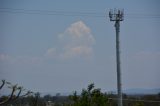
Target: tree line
{"points": [[89, 96]]}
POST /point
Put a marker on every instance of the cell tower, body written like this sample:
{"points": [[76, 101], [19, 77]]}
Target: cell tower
{"points": [[117, 16]]}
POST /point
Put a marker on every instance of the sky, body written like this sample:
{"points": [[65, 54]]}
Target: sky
{"points": [[62, 46]]}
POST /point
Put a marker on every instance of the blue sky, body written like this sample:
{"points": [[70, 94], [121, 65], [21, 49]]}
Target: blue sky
{"points": [[58, 53]]}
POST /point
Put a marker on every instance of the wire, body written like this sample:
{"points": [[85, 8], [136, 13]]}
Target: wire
{"points": [[47, 12], [142, 15], [73, 13]]}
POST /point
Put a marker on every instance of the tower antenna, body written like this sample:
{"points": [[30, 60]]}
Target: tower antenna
{"points": [[117, 16]]}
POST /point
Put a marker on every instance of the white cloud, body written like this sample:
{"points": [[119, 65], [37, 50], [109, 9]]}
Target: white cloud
{"points": [[4, 57], [26, 60], [51, 53], [78, 34], [78, 51], [77, 41]]}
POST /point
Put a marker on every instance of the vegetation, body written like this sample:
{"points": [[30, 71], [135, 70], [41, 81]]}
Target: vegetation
{"points": [[4, 100], [90, 96]]}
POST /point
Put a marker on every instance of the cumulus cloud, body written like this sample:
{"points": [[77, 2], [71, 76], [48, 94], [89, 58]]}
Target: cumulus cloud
{"points": [[4, 57], [78, 34], [27, 60], [78, 51], [76, 41], [51, 53]]}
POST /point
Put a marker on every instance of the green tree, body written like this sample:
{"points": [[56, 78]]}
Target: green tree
{"points": [[90, 97]]}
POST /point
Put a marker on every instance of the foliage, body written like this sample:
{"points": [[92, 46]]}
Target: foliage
{"points": [[89, 97]]}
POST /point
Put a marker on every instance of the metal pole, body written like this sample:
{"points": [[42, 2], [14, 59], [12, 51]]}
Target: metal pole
{"points": [[117, 16], [119, 85]]}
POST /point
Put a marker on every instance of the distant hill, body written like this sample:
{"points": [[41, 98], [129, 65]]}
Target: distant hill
{"points": [[55, 93], [142, 91], [134, 91]]}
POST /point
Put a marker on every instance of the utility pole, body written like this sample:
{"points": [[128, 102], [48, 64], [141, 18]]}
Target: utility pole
{"points": [[117, 16]]}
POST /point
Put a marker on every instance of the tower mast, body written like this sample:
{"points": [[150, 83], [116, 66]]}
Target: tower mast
{"points": [[117, 16]]}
